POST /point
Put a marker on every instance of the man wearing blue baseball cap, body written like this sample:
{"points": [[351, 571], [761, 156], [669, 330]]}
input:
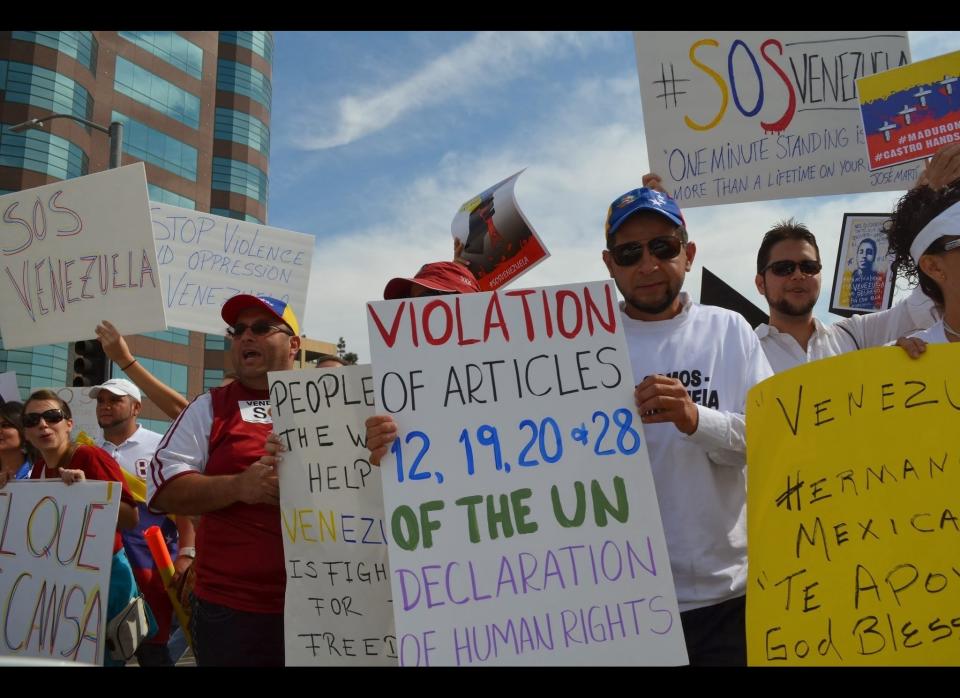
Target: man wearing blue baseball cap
{"points": [[695, 365], [212, 462]]}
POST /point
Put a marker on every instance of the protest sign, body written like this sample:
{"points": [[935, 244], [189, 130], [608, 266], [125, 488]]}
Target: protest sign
{"points": [[77, 252], [337, 610], [522, 515], [864, 279], [9, 390], [498, 241], [57, 546], [852, 511], [909, 113], [751, 116], [86, 428], [205, 260]]}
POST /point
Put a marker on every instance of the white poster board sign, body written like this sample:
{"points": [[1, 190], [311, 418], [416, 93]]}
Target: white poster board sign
{"points": [[9, 390], [524, 524], [56, 548], [77, 252], [84, 411], [337, 610], [750, 115], [205, 260]]}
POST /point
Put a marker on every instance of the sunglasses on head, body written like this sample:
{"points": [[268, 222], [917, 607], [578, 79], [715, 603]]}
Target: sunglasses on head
{"points": [[785, 267], [629, 253], [259, 328], [32, 419]]}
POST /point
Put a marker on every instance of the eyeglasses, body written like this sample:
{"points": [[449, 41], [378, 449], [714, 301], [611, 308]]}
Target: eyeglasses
{"points": [[32, 419], [663, 248], [951, 245], [785, 267], [259, 328]]}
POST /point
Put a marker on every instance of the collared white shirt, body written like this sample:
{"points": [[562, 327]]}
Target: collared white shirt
{"points": [[915, 312], [135, 453]]}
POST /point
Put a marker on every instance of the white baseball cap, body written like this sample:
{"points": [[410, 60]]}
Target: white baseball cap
{"points": [[118, 386]]}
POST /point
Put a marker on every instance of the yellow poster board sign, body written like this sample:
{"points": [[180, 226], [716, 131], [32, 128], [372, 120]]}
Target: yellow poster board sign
{"points": [[853, 511]]}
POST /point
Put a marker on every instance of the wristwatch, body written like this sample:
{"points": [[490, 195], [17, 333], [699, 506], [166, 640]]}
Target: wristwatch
{"points": [[187, 551]]}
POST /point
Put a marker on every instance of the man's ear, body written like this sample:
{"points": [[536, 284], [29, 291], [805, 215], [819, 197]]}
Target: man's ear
{"points": [[608, 260], [930, 264], [691, 250], [761, 285]]}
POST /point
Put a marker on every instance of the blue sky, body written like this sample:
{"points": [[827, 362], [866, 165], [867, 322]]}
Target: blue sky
{"points": [[378, 138]]}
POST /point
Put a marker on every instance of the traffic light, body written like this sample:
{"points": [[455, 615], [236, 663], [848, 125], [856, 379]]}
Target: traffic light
{"points": [[90, 366]]}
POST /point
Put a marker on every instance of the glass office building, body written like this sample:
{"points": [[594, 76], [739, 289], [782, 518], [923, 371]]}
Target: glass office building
{"points": [[196, 110]]}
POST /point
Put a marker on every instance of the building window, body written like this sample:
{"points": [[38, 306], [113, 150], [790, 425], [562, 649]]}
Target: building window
{"points": [[170, 47], [240, 178], [174, 335], [165, 196], [42, 152], [156, 147], [215, 342], [81, 46], [158, 425], [212, 378], [174, 375], [242, 128], [238, 215], [145, 87], [31, 84], [42, 366], [243, 80], [260, 43]]}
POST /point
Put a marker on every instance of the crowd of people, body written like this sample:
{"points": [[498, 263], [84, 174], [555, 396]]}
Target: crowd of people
{"points": [[210, 482]]}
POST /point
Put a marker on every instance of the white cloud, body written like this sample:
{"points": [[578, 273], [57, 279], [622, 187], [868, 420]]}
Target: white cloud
{"points": [[487, 59], [592, 150]]}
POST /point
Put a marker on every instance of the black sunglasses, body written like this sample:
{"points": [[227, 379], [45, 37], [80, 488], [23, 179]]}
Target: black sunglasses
{"points": [[32, 419], [629, 253], [785, 267], [259, 328]]}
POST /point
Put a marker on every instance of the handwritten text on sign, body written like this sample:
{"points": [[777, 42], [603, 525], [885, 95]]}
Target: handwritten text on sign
{"points": [[205, 260], [524, 523], [75, 252], [852, 511], [751, 116], [56, 548], [337, 610]]}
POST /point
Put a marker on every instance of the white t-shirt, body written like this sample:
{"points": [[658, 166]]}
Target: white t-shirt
{"points": [[933, 335], [860, 331], [701, 478]]}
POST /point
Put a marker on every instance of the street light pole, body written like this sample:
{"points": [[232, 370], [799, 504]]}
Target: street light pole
{"points": [[115, 132]]}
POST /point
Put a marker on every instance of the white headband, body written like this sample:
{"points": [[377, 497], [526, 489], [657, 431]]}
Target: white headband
{"points": [[947, 223]]}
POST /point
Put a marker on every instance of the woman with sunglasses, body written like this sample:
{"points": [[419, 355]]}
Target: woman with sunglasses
{"points": [[47, 423], [15, 451], [924, 236]]}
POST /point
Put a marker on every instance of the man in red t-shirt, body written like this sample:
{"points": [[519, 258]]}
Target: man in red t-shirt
{"points": [[212, 462]]}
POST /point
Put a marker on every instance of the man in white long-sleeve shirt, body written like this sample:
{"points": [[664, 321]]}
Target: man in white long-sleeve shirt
{"points": [[788, 276], [694, 365]]}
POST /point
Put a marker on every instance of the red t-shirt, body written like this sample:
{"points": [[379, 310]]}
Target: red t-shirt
{"points": [[96, 464], [240, 562]]}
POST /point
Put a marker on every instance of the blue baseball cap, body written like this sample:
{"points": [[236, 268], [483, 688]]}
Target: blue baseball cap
{"points": [[282, 311], [642, 199]]}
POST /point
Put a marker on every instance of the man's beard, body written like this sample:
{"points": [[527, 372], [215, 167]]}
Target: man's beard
{"points": [[784, 306], [654, 308]]}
